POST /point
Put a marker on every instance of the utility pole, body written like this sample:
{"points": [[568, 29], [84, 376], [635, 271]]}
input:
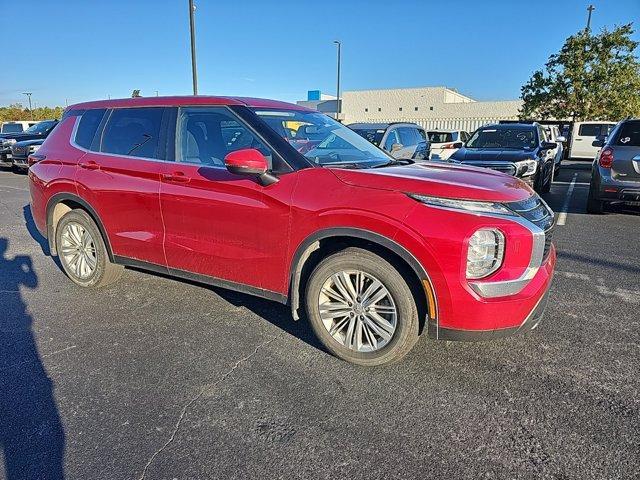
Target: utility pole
{"points": [[28, 94], [192, 25], [338, 109], [590, 9]]}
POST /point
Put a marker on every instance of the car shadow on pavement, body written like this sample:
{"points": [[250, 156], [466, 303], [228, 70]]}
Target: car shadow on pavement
{"points": [[31, 433], [33, 230]]}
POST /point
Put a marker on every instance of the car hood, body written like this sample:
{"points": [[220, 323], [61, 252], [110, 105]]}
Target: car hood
{"points": [[491, 155], [440, 180], [27, 143]]}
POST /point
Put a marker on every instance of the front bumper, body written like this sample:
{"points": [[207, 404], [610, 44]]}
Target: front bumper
{"points": [[20, 162], [5, 158]]}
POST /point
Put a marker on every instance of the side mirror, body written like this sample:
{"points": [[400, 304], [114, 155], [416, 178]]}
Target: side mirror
{"points": [[457, 144], [396, 146], [561, 139], [598, 143], [249, 161], [549, 145]]}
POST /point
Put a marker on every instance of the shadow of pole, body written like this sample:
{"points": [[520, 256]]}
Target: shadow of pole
{"points": [[31, 433]]}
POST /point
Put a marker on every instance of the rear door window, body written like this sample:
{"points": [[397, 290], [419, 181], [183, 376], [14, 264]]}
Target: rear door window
{"points": [[133, 132], [594, 129]]}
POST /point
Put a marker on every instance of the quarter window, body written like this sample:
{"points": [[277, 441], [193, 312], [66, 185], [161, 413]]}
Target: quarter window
{"points": [[133, 132], [89, 122]]}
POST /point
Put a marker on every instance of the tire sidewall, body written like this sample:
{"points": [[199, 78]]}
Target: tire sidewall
{"points": [[80, 217], [407, 324]]}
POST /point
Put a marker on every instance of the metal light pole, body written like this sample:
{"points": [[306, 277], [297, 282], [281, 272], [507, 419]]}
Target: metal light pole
{"points": [[590, 8], [192, 25], [339, 45], [28, 94]]}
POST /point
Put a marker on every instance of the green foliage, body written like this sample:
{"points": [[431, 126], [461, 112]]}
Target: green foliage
{"points": [[18, 112], [593, 77]]}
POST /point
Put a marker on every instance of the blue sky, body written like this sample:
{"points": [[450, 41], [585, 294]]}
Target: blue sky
{"points": [[80, 50]]}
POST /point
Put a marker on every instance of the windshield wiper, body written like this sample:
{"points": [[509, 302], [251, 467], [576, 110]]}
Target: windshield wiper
{"points": [[343, 165], [395, 161]]}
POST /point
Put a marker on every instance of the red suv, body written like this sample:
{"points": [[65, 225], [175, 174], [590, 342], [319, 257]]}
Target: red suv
{"points": [[282, 202]]}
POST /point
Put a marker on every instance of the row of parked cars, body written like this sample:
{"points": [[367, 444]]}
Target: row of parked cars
{"points": [[531, 151], [19, 139]]}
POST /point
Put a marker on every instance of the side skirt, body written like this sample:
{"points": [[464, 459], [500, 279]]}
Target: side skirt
{"points": [[205, 279]]}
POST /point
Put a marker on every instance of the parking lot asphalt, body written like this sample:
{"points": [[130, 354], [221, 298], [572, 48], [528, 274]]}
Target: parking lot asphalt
{"points": [[158, 378]]}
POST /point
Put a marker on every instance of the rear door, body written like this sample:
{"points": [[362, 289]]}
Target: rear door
{"points": [[219, 224], [584, 134], [120, 178], [626, 152]]}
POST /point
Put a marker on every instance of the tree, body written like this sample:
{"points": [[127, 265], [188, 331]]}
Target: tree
{"points": [[593, 77], [17, 112]]}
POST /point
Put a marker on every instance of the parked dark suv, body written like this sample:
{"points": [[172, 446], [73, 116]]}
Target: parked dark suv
{"points": [[615, 174], [518, 149]]}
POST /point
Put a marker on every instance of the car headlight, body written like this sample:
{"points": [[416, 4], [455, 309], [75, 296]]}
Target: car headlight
{"points": [[34, 148], [526, 167], [8, 142], [466, 205], [485, 252]]}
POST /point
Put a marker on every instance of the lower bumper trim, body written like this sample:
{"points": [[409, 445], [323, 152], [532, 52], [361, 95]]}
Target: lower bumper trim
{"points": [[530, 323]]}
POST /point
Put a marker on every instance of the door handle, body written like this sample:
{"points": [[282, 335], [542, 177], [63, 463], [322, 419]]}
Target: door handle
{"points": [[175, 177], [577, 139], [90, 165]]}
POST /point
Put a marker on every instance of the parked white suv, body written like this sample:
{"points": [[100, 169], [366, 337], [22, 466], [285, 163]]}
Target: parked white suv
{"points": [[444, 143]]}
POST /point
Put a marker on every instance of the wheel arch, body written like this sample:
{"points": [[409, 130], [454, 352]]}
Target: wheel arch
{"points": [[61, 203], [327, 241]]}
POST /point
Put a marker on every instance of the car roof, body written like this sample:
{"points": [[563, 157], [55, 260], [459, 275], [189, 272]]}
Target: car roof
{"points": [[190, 100], [439, 130]]}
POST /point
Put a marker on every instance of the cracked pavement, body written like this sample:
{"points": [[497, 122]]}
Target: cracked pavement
{"points": [[158, 378]]}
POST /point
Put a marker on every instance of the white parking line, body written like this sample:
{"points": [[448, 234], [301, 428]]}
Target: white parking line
{"points": [[569, 183], [562, 218]]}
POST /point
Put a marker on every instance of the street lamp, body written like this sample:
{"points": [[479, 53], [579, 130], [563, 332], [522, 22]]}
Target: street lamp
{"points": [[339, 45], [28, 94], [192, 26], [590, 9]]}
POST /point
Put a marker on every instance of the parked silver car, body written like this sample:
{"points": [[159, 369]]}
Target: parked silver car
{"points": [[616, 169]]}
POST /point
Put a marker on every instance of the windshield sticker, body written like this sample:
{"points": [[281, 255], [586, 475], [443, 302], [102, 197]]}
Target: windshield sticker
{"points": [[625, 140]]}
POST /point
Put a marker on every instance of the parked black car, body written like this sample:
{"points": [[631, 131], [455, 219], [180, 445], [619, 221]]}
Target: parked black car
{"points": [[39, 131], [517, 149]]}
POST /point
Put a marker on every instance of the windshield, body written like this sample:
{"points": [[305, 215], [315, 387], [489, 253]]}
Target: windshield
{"points": [[504, 137], [373, 135], [40, 127], [12, 128], [323, 140]]}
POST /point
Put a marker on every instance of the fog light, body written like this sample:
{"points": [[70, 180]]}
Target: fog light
{"points": [[485, 253]]}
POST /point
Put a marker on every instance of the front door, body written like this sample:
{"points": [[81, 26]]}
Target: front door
{"points": [[219, 224], [119, 177]]}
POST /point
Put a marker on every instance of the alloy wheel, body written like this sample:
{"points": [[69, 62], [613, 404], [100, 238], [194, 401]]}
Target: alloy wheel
{"points": [[357, 310], [78, 250]]}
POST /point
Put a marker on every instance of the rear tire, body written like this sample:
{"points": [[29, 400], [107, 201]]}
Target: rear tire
{"points": [[375, 331], [594, 204], [82, 251]]}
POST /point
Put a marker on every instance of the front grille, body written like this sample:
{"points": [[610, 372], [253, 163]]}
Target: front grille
{"points": [[538, 213], [504, 167]]}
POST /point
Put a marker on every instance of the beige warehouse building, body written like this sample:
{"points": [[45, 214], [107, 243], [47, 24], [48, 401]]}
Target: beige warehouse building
{"points": [[430, 107]]}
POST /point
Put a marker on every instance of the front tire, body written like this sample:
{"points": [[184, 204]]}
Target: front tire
{"points": [[82, 251], [361, 308]]}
